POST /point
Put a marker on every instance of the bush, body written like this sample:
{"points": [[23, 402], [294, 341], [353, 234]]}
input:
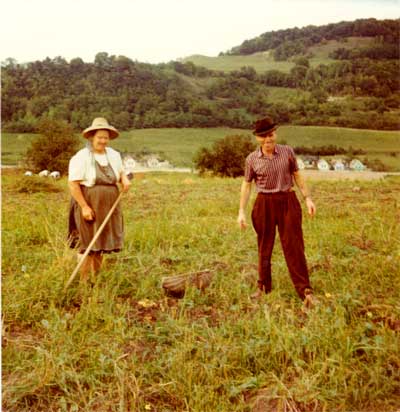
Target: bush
{"points": [[54, 147], [375, 164], [226, 157], [35, 184]]}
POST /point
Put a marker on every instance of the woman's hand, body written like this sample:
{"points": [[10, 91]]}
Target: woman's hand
{"points": [[242, 220], [125, 182], [310, 207], [87, 213]]}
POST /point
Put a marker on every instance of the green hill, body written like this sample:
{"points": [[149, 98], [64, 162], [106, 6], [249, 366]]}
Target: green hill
{"points": [[261, 61], [264, 61], [294, 41], [344, 74]]}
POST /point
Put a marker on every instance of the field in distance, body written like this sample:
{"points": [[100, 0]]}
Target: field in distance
{"points": [[264, 61], [178, 146]]}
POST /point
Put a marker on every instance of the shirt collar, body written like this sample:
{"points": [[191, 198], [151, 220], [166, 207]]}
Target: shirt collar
{"points": [[261, 154]]}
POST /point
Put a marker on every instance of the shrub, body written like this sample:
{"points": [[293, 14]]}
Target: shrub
{"points": [[375, 164], [226, 157], [328, 150], [54, 147], [35, 184]]}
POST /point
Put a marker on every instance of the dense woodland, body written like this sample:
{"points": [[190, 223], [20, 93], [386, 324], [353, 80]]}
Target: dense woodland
{"points": [[359, 89], [291, 42]]}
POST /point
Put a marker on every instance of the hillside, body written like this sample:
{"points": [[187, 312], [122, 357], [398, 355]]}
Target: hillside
{"points": [[346, 78], [290, 42], [263, 61]]}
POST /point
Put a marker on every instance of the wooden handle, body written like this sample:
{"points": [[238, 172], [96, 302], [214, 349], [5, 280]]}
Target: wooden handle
{"points": [[93, 241]]}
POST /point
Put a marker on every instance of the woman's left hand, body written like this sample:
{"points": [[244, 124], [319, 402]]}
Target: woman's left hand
{"points": [[126, 183]]}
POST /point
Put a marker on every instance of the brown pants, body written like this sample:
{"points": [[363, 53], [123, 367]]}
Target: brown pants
{"points": [[280, 209]]}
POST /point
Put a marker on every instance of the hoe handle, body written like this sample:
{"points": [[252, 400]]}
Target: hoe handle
{"points": [[93, 241]]}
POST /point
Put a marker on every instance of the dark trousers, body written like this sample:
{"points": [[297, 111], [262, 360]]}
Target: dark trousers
{"points": [[280, 209]]}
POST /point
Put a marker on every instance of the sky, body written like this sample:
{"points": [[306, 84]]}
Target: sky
{"points": [[157, 31]]}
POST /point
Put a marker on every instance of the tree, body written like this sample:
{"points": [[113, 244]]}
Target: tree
{"points": [[226, 157], [54, 147]]}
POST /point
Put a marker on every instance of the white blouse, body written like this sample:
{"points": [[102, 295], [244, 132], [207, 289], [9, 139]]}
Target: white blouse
{"points": [[82, 165]]}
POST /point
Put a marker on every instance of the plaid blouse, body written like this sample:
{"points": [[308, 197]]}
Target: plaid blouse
{"points": [[274, 174]]}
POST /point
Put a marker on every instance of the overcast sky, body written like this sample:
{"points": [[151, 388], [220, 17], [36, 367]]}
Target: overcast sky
{"points": [[161, 30]]}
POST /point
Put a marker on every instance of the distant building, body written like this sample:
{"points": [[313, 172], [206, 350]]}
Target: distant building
{"points": [[338, 164], [323, 165], [165, 164], [310, 162], [300, 163], [152, 162], [356, 164], [129, 163]]}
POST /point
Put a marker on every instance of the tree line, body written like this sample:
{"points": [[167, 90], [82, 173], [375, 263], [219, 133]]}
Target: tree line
{"points": [[295, 41], [360, 91]]}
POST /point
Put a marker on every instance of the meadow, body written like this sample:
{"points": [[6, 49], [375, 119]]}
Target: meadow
{"points": [[123, 345], [180, 145], [264, 61]]}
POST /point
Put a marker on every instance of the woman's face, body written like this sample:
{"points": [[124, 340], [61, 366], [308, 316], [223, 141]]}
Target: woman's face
{"points": [[100, 140]]}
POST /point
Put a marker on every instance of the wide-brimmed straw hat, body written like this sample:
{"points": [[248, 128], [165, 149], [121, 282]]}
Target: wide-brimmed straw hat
{"points": [[100, 123], [264, 125]]}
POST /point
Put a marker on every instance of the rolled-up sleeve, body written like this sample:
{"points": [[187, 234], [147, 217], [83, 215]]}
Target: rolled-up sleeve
{"points": [[249, 174]]}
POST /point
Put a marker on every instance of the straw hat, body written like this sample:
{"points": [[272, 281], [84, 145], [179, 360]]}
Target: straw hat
{"points": [[100, 123]]}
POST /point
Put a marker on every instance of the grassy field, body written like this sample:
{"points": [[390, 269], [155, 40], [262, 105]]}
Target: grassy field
{"points": [[263, 61], [179, 145], [124, 346], [322, 51]]}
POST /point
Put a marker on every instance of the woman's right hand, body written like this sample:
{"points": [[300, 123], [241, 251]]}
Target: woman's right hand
{"points": [[87, 213]]}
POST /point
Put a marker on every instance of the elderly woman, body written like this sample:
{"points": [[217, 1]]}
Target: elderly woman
{"points": [[93, 176]]}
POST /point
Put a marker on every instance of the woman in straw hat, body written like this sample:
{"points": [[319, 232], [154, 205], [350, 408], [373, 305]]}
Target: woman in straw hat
{"points": [[93, 176]]}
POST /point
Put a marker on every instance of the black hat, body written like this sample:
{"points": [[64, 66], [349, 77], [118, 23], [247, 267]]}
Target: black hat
{"points": [[264, 125]]}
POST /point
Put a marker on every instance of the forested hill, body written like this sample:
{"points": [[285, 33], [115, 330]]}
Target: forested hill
{"points": [[290, 42], [355, 87]]}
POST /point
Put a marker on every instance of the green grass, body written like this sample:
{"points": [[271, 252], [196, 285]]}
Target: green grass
{"points": [[263, 61], [369, 140], [176, 145], [214, 351], [285, 94], [14, 146], [321, 51], [179, 145]]}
